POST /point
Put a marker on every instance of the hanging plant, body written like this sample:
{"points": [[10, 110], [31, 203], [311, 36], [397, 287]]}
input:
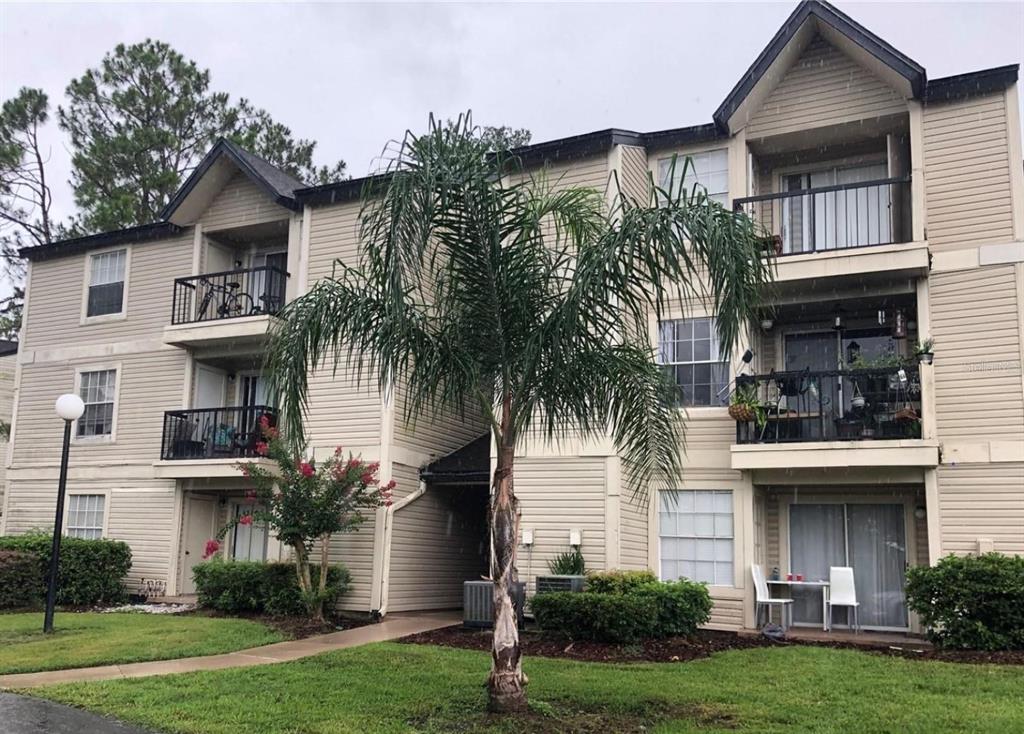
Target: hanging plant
{"points": [[744, 406]]}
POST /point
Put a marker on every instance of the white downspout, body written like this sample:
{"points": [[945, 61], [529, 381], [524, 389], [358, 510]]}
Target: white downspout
{"points": [[389, 524]]}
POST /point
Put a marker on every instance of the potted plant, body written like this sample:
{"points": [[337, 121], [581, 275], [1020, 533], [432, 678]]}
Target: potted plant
{"points": [[857, 401], [744, 406], [924, 351]]}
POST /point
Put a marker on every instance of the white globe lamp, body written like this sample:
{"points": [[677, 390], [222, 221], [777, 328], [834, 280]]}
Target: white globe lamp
{"points": [[70, 407]]}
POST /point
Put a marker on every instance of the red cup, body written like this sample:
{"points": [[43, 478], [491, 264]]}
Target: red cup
{"points": [[799, 577], [789, 577]]}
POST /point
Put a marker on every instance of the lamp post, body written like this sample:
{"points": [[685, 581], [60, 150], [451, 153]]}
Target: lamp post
{"points": [[70, 408]]}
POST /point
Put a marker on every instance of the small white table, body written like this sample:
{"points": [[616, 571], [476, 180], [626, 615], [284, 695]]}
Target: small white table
{"points": [[823, 585]]}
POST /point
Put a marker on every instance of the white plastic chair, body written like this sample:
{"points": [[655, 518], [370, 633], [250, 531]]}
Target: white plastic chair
{"points": [[765, 600], [841, 593]]}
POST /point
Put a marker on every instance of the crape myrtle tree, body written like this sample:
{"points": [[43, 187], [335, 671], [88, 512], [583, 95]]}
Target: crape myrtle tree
{"points": [[495, 291]]}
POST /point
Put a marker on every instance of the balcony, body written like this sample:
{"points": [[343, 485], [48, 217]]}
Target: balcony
{"points": [[213, 433], [238, 305], [849, 229], [833, 418]]}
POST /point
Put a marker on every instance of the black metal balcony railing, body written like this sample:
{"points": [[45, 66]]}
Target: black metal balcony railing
{"points": [[213, 433], [834, 217], [227, 295], [833, 405]]}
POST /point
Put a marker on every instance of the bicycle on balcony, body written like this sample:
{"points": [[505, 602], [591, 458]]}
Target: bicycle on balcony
{"points": [[230, 300]]}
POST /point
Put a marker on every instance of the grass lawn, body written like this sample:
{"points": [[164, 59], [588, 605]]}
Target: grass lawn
{"points": [[399, 688], [85, 639]]}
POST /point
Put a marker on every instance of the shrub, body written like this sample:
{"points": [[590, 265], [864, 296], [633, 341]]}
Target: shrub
{"points": [[974, 602], [619, 582], [624, 606], [570, 563], [91, 571], [603, 617], [20, 585], [251, 586]]}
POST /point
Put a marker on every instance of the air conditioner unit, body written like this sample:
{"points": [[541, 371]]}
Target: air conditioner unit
{"points": [[547, 584], [478, 603]]}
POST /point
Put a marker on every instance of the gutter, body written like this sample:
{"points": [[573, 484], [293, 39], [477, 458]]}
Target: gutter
{"points": [[380, 593]]}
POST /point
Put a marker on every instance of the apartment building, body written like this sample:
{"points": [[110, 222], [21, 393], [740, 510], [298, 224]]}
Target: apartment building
{"points": [[896, 205]]}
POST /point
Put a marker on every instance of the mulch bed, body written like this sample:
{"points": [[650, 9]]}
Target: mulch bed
{"points": [[682, 649], [295, 628]]}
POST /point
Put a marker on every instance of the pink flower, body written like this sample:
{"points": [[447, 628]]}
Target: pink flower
{"points": [[250, 495], [368, 478], [271, 433], [245, 520], [262, 448], [212, 546], [337, 451], [245, 470], [264, 421], [306, 469], [389, 486], [352, 463]]}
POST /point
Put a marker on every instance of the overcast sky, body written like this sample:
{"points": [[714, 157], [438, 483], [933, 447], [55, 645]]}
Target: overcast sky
{"points": [[353, 76]]}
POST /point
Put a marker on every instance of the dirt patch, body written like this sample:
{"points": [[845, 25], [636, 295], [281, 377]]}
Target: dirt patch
{"points": [[564, 718], [673, 649], [295, 628], [682, 649]]}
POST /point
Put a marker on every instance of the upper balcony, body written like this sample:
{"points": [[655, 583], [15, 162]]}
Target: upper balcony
{"points": [[233, 304], [845, 229], [208, 442]]}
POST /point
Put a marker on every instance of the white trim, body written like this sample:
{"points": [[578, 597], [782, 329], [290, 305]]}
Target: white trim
{"points": [[177, 530], [105, 367], [105, 493], [121, 315], [932, 508], [303, 274], [918, 209], [612, 512], [9, 454], [92, 351], [1015, 155], [197, 247]]}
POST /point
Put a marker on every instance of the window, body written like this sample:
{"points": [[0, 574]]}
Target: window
{"points": [[696, 536], [709, 170], [250, 541], [106, 283], [688, 348], [97, 390], [85, 516]]}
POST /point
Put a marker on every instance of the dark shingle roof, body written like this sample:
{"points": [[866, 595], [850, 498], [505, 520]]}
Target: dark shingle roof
{"points": [[471, 463]]}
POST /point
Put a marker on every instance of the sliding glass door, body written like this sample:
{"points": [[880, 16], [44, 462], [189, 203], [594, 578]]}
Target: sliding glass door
{"points": [[870, 538]]}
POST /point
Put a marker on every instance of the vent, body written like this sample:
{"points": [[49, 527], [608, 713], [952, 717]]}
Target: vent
{"points": [[478, 603], [547, 584]]}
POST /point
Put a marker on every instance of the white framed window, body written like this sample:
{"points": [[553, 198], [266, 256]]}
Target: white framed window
{"points": [[689, 350], [695, 529], [709, 169], [106, 285], [86, 516], [98, 390]]}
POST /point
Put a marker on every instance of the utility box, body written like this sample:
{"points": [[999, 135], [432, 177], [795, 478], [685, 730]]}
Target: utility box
{"points": [[560, 582]]}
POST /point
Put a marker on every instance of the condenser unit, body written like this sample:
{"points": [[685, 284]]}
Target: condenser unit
{"points": [[551, 583], [478, 603]]}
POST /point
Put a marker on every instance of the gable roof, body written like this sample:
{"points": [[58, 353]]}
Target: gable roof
{"points": [[279, 186], [839, 29]]}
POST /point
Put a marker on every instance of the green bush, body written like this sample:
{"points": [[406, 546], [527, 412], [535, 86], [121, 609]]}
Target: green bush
{"points": [[251, 586], [624, 606], [974, 602], [91, 571], [618, 582], [20, 585], [603, 617]]}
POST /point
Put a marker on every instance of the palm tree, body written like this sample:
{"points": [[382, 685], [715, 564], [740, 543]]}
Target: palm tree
{"points": [[483, 288]]}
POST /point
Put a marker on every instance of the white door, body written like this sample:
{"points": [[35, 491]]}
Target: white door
{"points": [[199, 516]]}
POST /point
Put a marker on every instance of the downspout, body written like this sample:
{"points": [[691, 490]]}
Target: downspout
{"points": [[389, 524]]}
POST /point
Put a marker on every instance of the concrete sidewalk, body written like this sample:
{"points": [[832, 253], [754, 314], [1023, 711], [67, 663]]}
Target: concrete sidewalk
{"points": [[393, 627]]}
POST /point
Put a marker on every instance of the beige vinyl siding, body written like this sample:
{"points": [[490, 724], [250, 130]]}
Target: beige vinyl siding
{"points": [[588, 172], [55, 296], [149, 384], [633, 531], [975, 321], [435, 546], [341, 411], [139, 512], [436, 434], [727, 612], [982, 501], [355, 551], [710, 433], [967, 172], [239, 203], [824, 87], [7, 366], [556, 495]]}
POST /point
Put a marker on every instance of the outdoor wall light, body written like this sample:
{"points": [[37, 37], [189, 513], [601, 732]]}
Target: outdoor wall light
{"points": [[575, 537], [920, 513], [527, 537], [767, 324]]}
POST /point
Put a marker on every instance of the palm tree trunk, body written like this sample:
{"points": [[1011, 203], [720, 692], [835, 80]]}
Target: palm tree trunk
{"points": [[506, 684]]}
